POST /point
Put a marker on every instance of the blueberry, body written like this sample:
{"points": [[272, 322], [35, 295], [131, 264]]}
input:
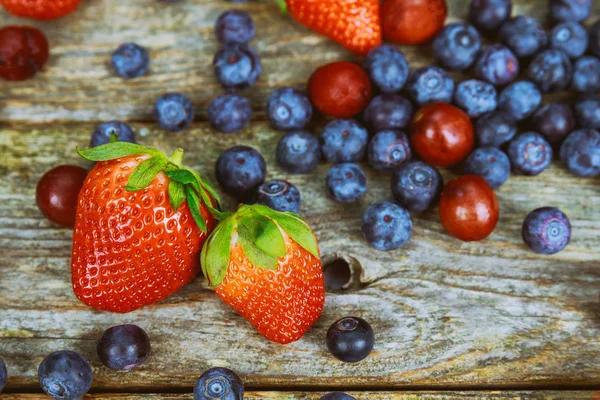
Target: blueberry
{"points": [[497, 64], [490, 163], [550, 70], [388, 149], [525, 36], [587, 111], [570, 37], [488, 15], [386, 226], [456, 46], [123, 347], [546, 230], [279, 195], [102, 132], [387, 67], [476, 97], [337, 396], [520, 99], [3, 375], [555, 121], [234, 26], [240, 170], [495, 129], [580, 152], [130, 61], [429, 84], [65, 375], [298, 152], [594, 35], [350, 339], [219, 384], [346, 182], [530, 154], [174, 112], [416, 185], [237, 66], [344, 140], [229, 113], [586, 74], [388, 111], [289, 108], [570, 10]]}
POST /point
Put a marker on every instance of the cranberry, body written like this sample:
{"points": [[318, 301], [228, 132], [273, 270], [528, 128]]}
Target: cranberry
{"points": [[412, 21], [23, 52], [57, 192]]}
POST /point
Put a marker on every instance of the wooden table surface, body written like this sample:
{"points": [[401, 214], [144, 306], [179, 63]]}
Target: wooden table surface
{"points": [[453, 320]]}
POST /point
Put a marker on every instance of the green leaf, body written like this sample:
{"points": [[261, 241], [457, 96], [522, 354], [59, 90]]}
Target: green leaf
{"points": [[194, 204], [176, 194], [216, 253], [283, 5], [184, 176], [213, 194], [145, 173], [261, 240], [113, 137], [110, 151]]}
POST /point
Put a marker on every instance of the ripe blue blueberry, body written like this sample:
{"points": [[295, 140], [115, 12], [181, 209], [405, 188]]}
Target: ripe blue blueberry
{"points": [[387, 67], [346, 182], [289, 108], [586, 74], [495, 129], [234, 26], [456, 46], [229, 113], [3, 375], [525, 36], [123, 347], [65, 375], [520, 99], [130, 60], [587, 111], [476, 97], [530, 153], [416, 185], [546, 230], [388, 150], [388, 111], [490, 163], [219, 384], [594, 35], [298, 152], [337, 396], [554, 120], [279, 195], [497, 64], [102, 133], [237, 66], [550, 70], [488, 15], [580, 152], [570, 37], [344, 140], [174, 112], [387, 226], [350, 339], [240, 170], [570, 10], [429, 84]]}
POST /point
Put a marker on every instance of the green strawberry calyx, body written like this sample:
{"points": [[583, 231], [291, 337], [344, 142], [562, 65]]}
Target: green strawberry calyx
{"points": [[184, 183], [283, 5], [259, 230]]}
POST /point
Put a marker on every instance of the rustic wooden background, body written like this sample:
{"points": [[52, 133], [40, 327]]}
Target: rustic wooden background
{"points": [[452, 320]]}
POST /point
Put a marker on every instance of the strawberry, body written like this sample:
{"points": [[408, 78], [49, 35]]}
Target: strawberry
{"points": [[265, 264], [354, 24], [140, 224], [40, 9]]}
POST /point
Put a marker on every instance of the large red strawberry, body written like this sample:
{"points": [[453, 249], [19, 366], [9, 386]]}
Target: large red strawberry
{"points": [[354, 24], [40, 9], [265, 264], [141, 221]]}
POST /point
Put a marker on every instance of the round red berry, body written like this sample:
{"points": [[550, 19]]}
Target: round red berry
{"points": [[412, 21], [40, 9], [23, 52], [57, 192]]}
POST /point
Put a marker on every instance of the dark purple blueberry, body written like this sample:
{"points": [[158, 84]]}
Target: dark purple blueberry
{"points": [[525, 36], [555, 121], [476, 97], [570, 37], [530, 154], [65, 375], [497, 64], [495, 129], [130, 61], [587, 111], [3, 375], [174, 112], [234, 26], [520, 99], [490, 163], [388, 111], [337, 396], [387, 226], [219, 384], [350, 339], [289, 108], [586, 74], [388, 149], [102, 133], [298, 152], [240, 170], [550, 70], [387, 67], [416, 185], [279, 195], [229, 113], [580, 152], [594, 35], [123, 347], [488, 15], [570, 10], [237, 66], [346, 182], [344, 140], [546, 230], [429, 84], [456, 46]]}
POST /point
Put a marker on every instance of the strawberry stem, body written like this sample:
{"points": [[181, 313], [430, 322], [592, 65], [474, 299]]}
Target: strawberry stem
{"points": [[177, 157]]}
